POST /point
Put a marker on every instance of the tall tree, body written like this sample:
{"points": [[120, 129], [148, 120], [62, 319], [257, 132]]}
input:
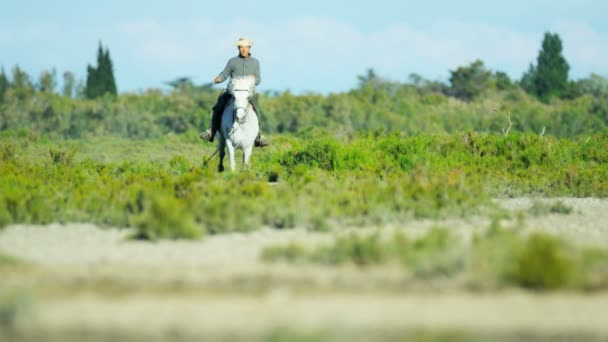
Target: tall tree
{"points": [[48, 81], [4, 84], [502, 80], [110, 81], [69, 82], [21, 80], [552, 70], [370, 77], [549, 78], [100, 79], [469, 82], [527, 80]]}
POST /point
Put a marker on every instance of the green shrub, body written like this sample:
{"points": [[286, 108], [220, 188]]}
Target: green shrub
{"points": [[292, 253], [61, 156], [545, 263], [497, 258], [7, 152], [492, 257], [438, 252], [594, 267], [166, 218], [540, 208], [179, 164], [12, 305], [353, 248]]}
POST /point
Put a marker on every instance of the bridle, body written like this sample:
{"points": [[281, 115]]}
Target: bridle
{"points": [[234, 117]]}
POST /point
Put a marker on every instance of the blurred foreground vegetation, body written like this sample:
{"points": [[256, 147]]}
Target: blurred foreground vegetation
{"points": [[495, 258]]}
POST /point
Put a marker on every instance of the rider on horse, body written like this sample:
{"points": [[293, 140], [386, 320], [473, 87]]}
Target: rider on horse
{"points": [[241, 65]]}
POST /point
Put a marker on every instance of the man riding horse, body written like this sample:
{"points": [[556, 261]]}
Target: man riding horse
{"points": [[239, 66]]}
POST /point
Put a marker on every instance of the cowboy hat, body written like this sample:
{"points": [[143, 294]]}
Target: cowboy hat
{"points": [[244, 42]]}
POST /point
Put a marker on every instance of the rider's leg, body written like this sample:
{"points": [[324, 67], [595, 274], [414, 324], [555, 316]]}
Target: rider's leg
{"points": [[216, 118], [260, 141]]}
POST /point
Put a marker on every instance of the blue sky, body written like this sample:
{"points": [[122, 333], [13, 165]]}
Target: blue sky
{"points": [[313, 45]]}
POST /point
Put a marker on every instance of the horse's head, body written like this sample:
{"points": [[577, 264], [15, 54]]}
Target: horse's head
{"points": [[241, 88]]}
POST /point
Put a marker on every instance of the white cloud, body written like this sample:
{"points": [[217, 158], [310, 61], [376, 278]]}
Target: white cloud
{"points": [[309, 53]]}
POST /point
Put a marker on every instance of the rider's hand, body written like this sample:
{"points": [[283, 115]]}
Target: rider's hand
{"points": [[218, 80]]}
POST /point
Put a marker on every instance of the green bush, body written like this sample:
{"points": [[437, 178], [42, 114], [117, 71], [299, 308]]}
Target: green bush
{"points": [[497, 258], [12, 305], [166, 218], [7, 152], [356, 249], [60, 156], [438, 252], [544, 262], [292, 253], [492, 257], [540, 208]]}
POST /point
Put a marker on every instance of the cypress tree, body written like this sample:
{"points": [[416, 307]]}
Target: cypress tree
{"points": [[100, 79], [4, 84], [549, 78], [552, 70], [110, 81]]}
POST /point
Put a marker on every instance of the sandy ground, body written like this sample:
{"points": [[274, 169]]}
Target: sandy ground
{"points": [[86, 281]]}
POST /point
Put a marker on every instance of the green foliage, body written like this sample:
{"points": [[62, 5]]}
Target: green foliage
{"points": [[21, 84], [6, 260], [378, 107], [4, 84], [550, 76], [48, 81], [7, 152], [496, 258], [502, 81], [469, 82], [438, 252], [539, 208], [356, 249], [291, 253], [595, 85], [12, 304], [314, 182], [69, 84], [594, 266], [492, 256], [166, 218], [61, 156], [544, 263], [100, 79]]}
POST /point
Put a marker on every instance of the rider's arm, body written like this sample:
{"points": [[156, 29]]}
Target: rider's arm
{"points": [[225, 73], [256, 73]]}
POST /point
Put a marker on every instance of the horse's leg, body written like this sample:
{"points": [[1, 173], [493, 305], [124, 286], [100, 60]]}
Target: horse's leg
{"points": [[221, 146], [246, 155], [231, 153]]}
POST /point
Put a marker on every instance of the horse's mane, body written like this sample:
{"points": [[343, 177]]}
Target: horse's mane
{"points": [[246, 82]]}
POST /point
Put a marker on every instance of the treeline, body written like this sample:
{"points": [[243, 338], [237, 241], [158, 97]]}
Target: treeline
{"points": [[544, 101]]}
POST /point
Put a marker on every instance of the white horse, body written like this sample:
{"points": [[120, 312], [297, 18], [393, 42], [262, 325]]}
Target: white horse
{"points": [[239, 126]]}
